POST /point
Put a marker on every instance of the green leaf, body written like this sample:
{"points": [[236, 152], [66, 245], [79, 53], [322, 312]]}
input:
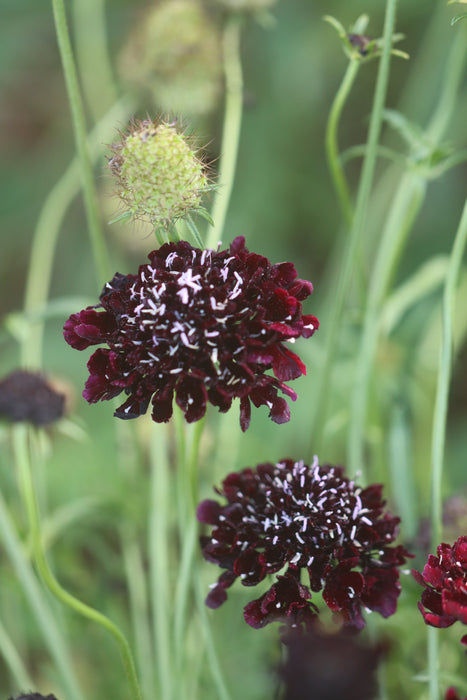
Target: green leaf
{"points": [[456, 19], [194, 231], [124, 217], [205, 215], [423, 282], [336, 24]]}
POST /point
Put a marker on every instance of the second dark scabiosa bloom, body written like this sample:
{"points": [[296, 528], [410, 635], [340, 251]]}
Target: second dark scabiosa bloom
{"points": [[293, 517], [200, 325], [444, 578]]}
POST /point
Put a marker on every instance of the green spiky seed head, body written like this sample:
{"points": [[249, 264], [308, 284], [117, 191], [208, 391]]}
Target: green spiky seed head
{"points": [[160, 177], [174, 55]]}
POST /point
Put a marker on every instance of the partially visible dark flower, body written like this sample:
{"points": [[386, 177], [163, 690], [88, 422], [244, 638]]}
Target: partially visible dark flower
{"points": [[451, 694], [323, 666], [303, 517], [34, 696], [444, 600], [27, 396], [200, 325]]}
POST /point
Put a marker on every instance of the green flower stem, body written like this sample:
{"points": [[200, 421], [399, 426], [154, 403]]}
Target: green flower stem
{"points": [[444, 376], [187, 477], [214, 665], [332, 148], [405, 208], [137, 588], [47, 231], [92, 56], [79, 125], [231, 127], [13, 660], [193, 457], [357, 229], [35, 597], [453, 77], [159, 560], [433, 662], [21, 449], [406, 204], [439, 424]]}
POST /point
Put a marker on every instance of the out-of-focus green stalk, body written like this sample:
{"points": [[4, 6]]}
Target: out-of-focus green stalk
{"points": [[439, 424], [46, 621], [48, 228], [137, 588], [444, 375], [100, 255], [405, 206], [23, 463], [221, 690], [332, 148], [231, 127], [92, 56], [159, 561], [404, 209], [453, 76], [13, 660], [363, 196]]}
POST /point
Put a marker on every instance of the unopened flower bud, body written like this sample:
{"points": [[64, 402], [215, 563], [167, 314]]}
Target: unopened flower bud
{"points": [[160, 177]]}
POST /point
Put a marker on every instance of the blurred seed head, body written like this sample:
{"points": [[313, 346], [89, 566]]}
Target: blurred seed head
{"points": [[245, 5], [174, 54], [29, 397], [160, 177]]}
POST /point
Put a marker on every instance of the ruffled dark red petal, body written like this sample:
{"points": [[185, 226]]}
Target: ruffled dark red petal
{"points": [[286, 600]]}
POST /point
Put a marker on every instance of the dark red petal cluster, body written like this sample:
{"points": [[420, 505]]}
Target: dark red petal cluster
{"points": [[451, 694], [293, 517], [323, 666], [444, 600], [198, 325]]}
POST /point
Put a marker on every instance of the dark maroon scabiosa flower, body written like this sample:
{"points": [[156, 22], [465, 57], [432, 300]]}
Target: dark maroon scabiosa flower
{"points": [[444, 578], [200, 325], [28, 397], [293, 517], [312, 659]]}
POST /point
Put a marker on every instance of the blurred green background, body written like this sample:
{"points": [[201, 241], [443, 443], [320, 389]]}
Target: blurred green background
{"points": [[284, 204]]}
